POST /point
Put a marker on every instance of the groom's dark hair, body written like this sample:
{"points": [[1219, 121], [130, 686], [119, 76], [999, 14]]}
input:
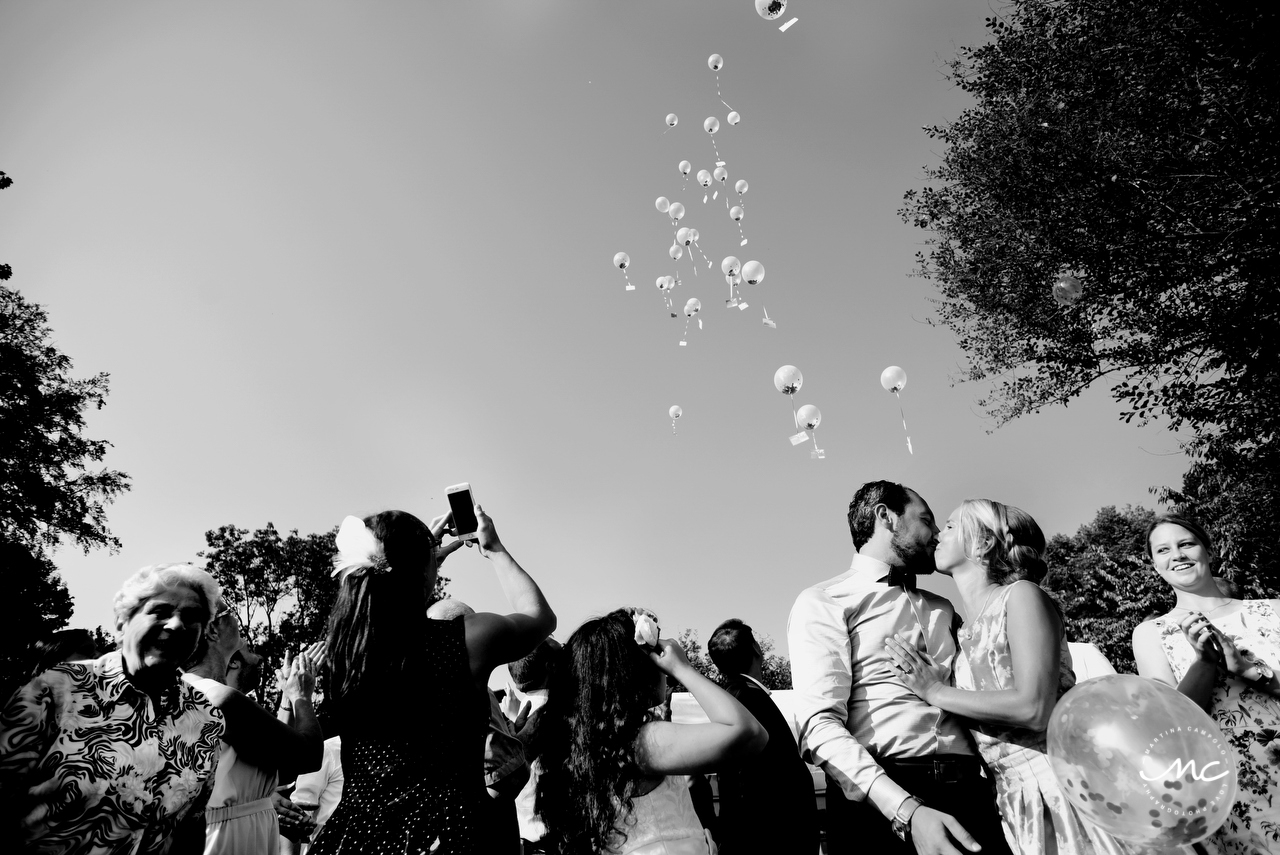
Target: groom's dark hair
{"points": [[732, 647], [862, 508]]}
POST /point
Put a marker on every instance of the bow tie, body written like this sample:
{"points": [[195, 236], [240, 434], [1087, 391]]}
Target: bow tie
{"points": [[901, 577]]}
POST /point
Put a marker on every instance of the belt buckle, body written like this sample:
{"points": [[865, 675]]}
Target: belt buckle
{"points": [[944, 775]]}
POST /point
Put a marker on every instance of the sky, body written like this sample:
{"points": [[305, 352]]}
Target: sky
{"points": [[337, 257]]}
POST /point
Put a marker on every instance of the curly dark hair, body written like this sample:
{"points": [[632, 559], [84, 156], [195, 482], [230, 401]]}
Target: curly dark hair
{"points": [[598, 697], [862, 508]]}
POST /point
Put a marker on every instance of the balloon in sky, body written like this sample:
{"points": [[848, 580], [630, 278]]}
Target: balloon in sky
{"points": [[715, 62], [893, 379], [733, 118], [676, 251], [622, 261], [676, 210], [741, 186], [693, 235], [711, 125], [810, 416], [770, 9], [753, 272], [665, 284], [662, 204], [683, 237], [788, 380], [721, 174], [730, 265], [704, 178], [692, 307], [671, 120], [675, 413], [737, 213], [685, 167], [1067, 289], [1140, 760]]}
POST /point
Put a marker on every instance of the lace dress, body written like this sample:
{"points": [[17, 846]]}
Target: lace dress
{"points": [[663, 822], [1249, 719], [1035, 813], [412, 757]]}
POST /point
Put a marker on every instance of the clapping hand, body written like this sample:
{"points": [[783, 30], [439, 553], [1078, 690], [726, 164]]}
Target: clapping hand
{"points": [[917, 671]]}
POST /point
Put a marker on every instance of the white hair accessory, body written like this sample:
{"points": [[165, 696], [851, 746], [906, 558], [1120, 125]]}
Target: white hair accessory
{"points": [[357, 548], [646, 629]]}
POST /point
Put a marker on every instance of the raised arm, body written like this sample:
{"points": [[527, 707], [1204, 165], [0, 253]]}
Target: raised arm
{"points": [[1035, 651], [663, 748], [493, 640]]}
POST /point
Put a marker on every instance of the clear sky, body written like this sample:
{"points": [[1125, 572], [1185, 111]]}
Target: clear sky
{"points": [[337, 257]]}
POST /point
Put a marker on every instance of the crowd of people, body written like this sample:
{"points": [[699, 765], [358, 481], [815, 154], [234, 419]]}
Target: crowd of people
{"points": [[930, 732]]}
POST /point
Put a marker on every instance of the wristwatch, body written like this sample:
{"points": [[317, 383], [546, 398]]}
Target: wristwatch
{"points": [[901, 822]]}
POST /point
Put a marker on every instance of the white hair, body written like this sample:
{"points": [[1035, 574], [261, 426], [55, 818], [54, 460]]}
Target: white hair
{"points": [[151, 580]]}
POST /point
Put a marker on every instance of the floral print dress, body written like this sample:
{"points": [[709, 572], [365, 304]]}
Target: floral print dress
{"points": [[1249, 719]]}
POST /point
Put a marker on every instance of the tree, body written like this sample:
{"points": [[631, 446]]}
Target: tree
{"points": [[49, 492], [1136, 146]]}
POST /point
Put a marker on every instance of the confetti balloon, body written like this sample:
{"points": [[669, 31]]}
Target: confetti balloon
{"points": [[693, 235], [711, 125], [685, 168], [671, 282], [675, 412], [684, 237], [720, 174], [704, 178], [715, 62], [737, 213], [1140, 760], [741, 186], [662, 204], [770, 9], [676, 211], [734, 118], [893, 379], [692, 307], [788, 380], [753, 272], [809, 416], [676, 251], [671, 120], [730, 266], [1067, 289], [621, 260]]}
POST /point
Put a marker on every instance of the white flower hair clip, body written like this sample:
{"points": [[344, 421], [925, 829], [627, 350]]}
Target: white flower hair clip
{"points": [[646, 629], [357, 548]]}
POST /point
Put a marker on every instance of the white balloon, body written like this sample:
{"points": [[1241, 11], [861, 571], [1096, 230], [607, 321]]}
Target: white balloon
{"points": [[711, 125], [704, 178], [715, 62], [809, 416], [737, 213], [720, 174], [730, 265], [741, 186], [893, 379], [753, 272], [693, 235], [676, 251], [1067, 289], [788, 380], [675, 412], [734, 118], [676, 211], [672, 119], [621, 260], [662, 204], [661, 283], [684, 167], [692, 307], [671, 282], [771, 9], [683, 237]]}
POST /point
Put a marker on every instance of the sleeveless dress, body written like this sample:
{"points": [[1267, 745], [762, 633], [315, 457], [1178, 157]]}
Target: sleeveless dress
{"points": [[1036, 815], [1249, 719], [412, 756], [663, 822]]}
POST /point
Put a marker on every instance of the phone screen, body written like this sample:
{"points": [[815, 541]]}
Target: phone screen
{"points": [[464, 514]]}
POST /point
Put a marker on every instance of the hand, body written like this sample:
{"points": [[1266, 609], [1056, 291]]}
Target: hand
{"points": [[301, 680], [295, 823], [440, 526], [486, 534], [918, 672], [932, 832], [1204, 638], [669, 657]]}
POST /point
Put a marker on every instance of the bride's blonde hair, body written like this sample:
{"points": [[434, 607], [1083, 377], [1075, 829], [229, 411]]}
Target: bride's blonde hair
{"points": [[1005, 539]]}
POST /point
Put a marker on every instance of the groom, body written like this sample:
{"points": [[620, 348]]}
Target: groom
{"points": [[902, 776]]}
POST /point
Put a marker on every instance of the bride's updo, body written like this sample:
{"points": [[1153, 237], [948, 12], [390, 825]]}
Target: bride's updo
{"points": [[1004, 538]]}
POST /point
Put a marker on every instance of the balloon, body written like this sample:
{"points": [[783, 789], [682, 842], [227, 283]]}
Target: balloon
{"points": [[676, 211], [720, 174], [753, 272], [685, 167], [741, 186], [692, 307], [1141, 761], [711, 125], [704, 178], [1067, 289], [671, 282], [693, 235], [734, 278], [770, 9], [788, 380], [683, 237], [893, 379], [730, 265], [671, 120], [621, 260], [661, 283], [734, 118], [676, 251], [715, 62], [737, 213], [662, 204], [809, 416], [675, 412]]}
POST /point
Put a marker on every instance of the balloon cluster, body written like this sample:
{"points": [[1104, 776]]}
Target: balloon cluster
{"points": [[788, 381]]}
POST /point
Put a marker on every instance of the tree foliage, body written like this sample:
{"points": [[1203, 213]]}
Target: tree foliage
{"points": [[1135, 145], [38, 604]]}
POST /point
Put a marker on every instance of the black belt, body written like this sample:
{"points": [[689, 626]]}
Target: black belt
{"points": [[943, 768]]}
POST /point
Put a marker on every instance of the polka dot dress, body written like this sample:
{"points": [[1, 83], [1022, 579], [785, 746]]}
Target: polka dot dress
{"points": [[412, 757]]}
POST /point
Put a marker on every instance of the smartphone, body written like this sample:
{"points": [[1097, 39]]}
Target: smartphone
{"points": [[462, 503]]}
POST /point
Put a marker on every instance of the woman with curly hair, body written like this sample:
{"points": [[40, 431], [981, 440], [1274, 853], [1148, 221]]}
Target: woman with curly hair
{"points": [[610, 773]]}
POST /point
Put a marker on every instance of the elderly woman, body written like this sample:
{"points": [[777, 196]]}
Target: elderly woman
{"points": [[109, 755]]}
